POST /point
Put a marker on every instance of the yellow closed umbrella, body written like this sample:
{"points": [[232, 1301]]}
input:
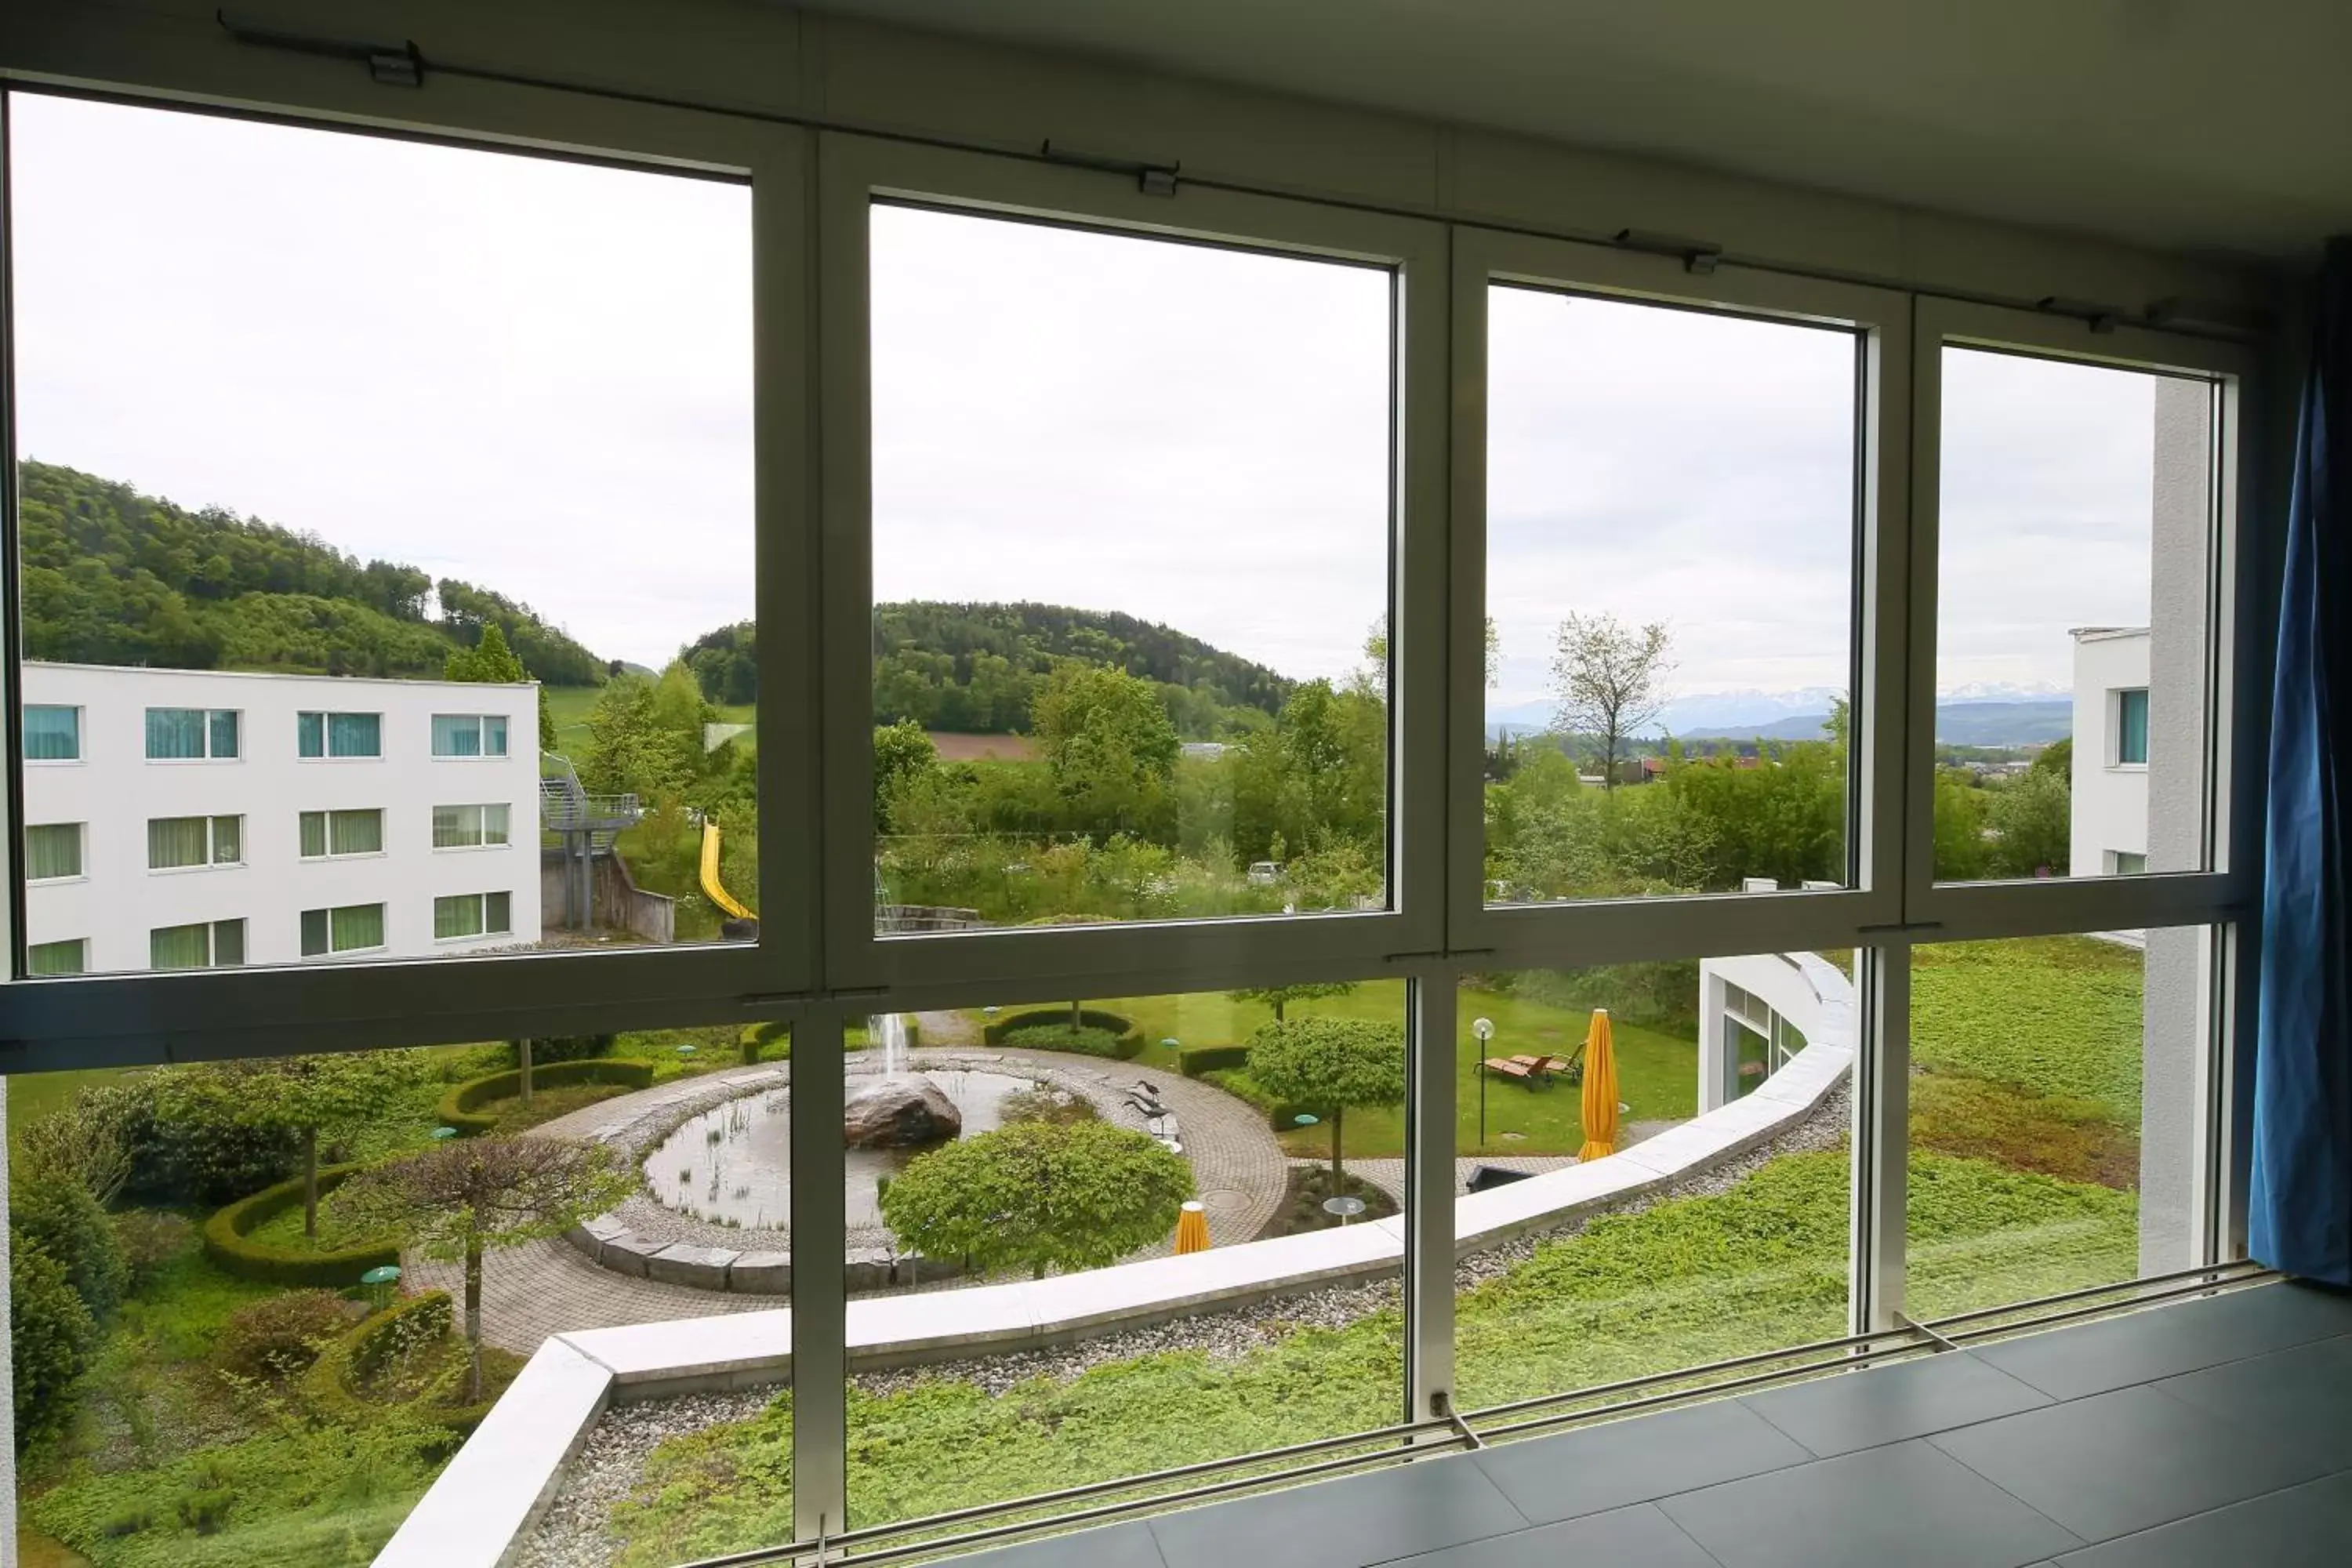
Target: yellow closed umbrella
{"points": [[1600, 1090], [1191, 1227]]}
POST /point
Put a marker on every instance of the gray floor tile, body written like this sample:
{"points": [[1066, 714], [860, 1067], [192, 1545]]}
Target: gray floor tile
{"points": [[1367, 1519], [1908, 1504], [1637, 1537], [2309, 1526], [2162, 1341], [2303, 1395], [1113, 1546], [2128, 1461], [1611, 1466], [1863, 1408]]}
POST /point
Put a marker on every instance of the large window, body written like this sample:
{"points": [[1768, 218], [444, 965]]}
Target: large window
{"points": [[52, 734], [176, 842], [338, 734], [330, 833], [1669, 635], [469, 735], [53, 850], [353, 928], [469, 826], [1130, 577], [178, 734], [207, 945]]}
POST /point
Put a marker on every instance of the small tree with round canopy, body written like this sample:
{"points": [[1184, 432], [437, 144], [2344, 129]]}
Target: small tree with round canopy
{"points": [[1279, 997], [1331, 1063], [458, 1200], [320, 1099], [1039, 1196]]}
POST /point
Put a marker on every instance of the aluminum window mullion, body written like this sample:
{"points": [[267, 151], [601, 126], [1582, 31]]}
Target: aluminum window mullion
{"points": [[1430, 1134], [820, 1308], [1881, 1168]]}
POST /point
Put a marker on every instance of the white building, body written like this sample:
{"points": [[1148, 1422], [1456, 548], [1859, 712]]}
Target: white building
{"points": [[182, 818], [2110, 818]]}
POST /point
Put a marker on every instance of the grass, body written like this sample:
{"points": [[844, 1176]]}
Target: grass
{"points": [[569, 706], [2045, 1016], [1657, 1074]]}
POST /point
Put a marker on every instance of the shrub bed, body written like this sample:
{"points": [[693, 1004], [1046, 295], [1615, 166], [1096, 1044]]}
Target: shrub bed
{"points": [[1098, 1034], [458, 1108], [377, 1365], [769, 1042], [1281, 1114], [228, 1242], [1199, 1061]]}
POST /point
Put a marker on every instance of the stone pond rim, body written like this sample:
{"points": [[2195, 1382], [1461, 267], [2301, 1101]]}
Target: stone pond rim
{"points": [[902, 1112]]}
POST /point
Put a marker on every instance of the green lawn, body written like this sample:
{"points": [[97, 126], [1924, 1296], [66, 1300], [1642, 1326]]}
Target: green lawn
{"points": [[1657, 1074], [569, 706]]}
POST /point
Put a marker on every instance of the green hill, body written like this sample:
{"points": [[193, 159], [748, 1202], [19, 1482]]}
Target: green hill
{"points": [[112, 576]]}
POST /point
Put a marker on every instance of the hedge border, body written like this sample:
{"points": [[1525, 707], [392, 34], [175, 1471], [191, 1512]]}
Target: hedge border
{"points": [[328, 1383], [229, 1245], [1192, 1062], [457, 1107], [1129, 1040]]}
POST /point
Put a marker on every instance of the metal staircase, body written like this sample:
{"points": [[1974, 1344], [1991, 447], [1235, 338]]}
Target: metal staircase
{"points": [[585, 826]]}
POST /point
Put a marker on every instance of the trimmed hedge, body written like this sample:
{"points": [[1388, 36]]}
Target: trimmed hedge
{"points": [[1280, 1114], [228, 1242], [1127, 1040], [755, 1040], [336, 1383], [1196, 1061], [457, 1107]]}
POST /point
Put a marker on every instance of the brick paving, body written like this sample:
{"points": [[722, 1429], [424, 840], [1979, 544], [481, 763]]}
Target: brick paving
{"points": [[545, 1287]]}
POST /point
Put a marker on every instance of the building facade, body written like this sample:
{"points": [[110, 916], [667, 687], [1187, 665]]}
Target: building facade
{"points": [[182, 818], [2110, 819]]}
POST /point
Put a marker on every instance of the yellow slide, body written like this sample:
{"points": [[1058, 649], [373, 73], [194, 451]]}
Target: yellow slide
{"points": [[711, 882]]}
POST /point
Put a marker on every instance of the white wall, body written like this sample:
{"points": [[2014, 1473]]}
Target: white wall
{"points": [[1801, 987], [2110, 811], [115, 790]]}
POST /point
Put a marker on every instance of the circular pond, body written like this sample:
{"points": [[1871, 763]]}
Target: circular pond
{"points": [[731, 1164]]}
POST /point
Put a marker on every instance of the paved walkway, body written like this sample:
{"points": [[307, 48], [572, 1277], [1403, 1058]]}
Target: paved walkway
{"points": [[547, 1288]]}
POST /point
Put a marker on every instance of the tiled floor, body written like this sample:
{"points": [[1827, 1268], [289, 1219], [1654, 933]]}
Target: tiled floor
{"points": [[2213, 1432]]}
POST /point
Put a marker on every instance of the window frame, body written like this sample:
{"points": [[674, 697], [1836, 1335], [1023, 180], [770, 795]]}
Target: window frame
{"points": [[213, 960], [481, 727], [327, 753], [482, 839], [2119, 706], [481, 903], [79, 727], [211, 862], [330, 952], [80, 873], [326, 834], [209, 717], [854, 172]]}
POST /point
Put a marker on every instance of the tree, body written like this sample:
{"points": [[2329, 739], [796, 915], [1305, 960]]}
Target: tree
{"points": [[645, 736], [65, 1223], [2057, 757], [1330, 1064], [1039, 1196], [319, 1099], [490, 661], [902, 754], [50, 1336], [2033, 822], [1608, 681], [458, 1200], [1109, 742], [1278, 997]]}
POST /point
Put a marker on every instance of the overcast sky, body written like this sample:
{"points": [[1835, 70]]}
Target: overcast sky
{"points": [[537, 376]]}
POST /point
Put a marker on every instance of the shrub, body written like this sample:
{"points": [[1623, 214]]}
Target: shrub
{"points": [[1281, 1114], [194, 1140], [1198, 1061], [459, 1107], [1090, 1042], [546, 1053], [395, 1334], [1036, 1196], [61, 1218], [50, 1336], [151, 1242], [375, 1367], [1129, 1037], [769, 1042], [1338, 1062], [85, 1140], [279, 1336], [228, 1240]]}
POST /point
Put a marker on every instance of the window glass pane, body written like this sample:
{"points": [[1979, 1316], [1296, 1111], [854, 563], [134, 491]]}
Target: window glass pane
{"points": [[456, 917], [314, 833], [287, 1488], [494, 824], [52, 850], [1670, 630], [456, 735], [228, 942], [452, 827], [176, 841], [228, 840], [52, 734], [497, 917], [356, 832], [219, 537], [56, 957], [1131, 576], [2052, 1127], [180, 947], [1561, 1076], [357, 926], [175, 732], [2076, 522], [314, 933]]}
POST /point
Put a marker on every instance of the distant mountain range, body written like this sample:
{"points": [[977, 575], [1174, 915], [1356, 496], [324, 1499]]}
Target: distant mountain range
{"points": [[1979, 719]]}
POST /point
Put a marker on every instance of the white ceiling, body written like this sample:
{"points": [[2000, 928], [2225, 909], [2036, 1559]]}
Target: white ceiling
{"points": [[2218, 126]]}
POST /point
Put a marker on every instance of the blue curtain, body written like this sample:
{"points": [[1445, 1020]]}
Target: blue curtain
{"points": [[2300, 1211]]}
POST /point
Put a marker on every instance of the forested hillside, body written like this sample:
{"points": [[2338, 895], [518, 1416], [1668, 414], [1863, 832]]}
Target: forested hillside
{"points": [[111, 576], [977, 668]]}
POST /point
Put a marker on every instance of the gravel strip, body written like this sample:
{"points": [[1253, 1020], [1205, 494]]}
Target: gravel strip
{"points": [[611, 1463]]}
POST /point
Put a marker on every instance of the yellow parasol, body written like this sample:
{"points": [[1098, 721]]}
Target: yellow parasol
{"points": [[1600, 1090], [1193, 1227]]}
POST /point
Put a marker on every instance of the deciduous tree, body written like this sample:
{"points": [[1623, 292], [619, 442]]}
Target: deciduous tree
{"points": [[1608, 681], [1330, 1064], [1039, 1196]]}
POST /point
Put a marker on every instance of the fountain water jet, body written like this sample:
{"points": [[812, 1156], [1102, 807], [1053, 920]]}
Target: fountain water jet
{"points": [[901, 1109]]}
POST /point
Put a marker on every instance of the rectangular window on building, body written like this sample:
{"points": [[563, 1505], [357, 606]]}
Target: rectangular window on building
{"points": [[2131, 727], [2125, 863], [203, 945], [338, 734], [327, 833], [353, 928], [469, 735], [469, 826], [175, 734], [57, 957], [53, 850], [472, 914], [52, 734], [177, 841]]}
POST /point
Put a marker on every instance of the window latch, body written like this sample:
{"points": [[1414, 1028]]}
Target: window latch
{"points": [[1698, 256], [393, 65], [1152, 179]]}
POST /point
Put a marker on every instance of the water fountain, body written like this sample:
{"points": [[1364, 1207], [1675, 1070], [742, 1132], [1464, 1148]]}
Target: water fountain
{"points": [[900, 1108]]}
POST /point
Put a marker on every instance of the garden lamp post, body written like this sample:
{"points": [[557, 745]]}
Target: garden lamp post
{"points": [[1485, 1029]]}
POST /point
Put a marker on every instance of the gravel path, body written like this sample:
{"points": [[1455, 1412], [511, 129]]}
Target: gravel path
{"points": [[611, 1464]]}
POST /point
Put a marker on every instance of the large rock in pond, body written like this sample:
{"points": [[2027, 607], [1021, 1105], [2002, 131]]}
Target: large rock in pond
{"points": [[900, 1113]]}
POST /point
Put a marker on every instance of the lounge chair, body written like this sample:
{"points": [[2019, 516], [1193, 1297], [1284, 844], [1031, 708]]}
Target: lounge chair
{"points": [[1520, 1067]]}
